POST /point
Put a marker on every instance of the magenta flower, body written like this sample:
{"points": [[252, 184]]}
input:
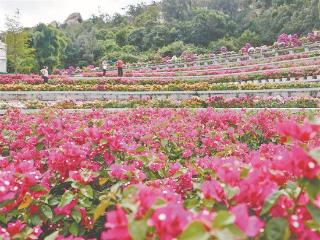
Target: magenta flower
{"points": [[170, 221], [213, 190], [250, 225], [116, 226]]}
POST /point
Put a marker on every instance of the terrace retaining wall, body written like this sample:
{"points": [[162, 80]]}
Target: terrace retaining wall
{"points": [[178, 95]]}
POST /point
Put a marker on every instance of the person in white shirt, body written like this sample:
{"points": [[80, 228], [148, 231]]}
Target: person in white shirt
{"points": [[45, 74], [104, 67]]}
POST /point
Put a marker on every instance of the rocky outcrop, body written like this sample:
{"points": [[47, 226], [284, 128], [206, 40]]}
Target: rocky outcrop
{"points": [[74, 18], [54, 24]]}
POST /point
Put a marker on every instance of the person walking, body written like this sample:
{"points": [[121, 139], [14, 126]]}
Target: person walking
{"points": [[45, 74], [104, 67], [120, 65]]}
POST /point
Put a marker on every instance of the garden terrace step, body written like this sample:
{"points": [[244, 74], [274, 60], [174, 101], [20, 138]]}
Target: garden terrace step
{"points": [[198, 76], [179, 95], [235, 57], [227, 67]]}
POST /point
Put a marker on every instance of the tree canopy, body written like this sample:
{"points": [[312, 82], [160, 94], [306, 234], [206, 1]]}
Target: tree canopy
{"points": [[165, 28]]}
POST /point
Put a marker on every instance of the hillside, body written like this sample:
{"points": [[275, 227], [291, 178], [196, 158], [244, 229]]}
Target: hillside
{"points": [[166, 28]]}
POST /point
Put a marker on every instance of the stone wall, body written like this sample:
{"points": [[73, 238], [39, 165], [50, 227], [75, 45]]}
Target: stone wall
{"points": [[110, 95]]}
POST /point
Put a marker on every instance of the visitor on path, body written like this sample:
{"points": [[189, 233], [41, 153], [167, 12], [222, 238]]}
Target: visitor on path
{"points": [[174, 59], [104, 67], [45, 74], [120, 65]]}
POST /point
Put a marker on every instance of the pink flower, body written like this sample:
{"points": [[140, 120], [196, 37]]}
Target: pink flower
{"points": [[280, 209], [118, 171], [116, 225], [15, 228], [37, 231], [212, 189], [170, 221], [66, 210], [250, 225]]}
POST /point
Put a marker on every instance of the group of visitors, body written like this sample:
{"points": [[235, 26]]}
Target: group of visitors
{"points": [[119, 64]]}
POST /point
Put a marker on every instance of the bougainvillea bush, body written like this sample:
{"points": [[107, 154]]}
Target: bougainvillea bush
{"points": [[192, 102], [159, 174]]}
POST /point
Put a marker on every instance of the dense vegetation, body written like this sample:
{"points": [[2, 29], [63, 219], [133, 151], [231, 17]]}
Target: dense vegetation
{"points": [[160, 29]]}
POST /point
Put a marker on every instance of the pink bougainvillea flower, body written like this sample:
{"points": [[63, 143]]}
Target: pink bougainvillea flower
{"points": [[14, 228], [281, 208], [302, 133], [213, 190], [170, 221], [4, 235], [116, 226], [37, 231], [250, 225], [66, 210]]}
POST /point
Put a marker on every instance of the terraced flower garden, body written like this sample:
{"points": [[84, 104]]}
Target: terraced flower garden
{"points": [[174, 162]]}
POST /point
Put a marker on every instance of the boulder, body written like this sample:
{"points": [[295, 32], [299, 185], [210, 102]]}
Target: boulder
{"points": [[54, 24], [74, 18]]}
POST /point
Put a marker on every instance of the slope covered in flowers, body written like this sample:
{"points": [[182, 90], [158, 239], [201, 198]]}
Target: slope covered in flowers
{"points": [[159, 174]]}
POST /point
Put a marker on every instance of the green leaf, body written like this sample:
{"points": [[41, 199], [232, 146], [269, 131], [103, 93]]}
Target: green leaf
{"points": [[314, 211], [87, 191], [66, 198], [38, 188], [35, 220], [277, 229], [195, 230], [230, 233], [74, 229], [315, 154], [140, 149], [270, 201], [46, 211], [76, 215], [138, 229], [223, 218], [53, 201], [39, 146], [52, 236], [312, 187], [99, 211], [231, 191], [3, 219]]}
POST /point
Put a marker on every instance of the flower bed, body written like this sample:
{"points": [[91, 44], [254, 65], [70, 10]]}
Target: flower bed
{"points": [[287, 73], [194, 102], [200, 86], [208, 70], [159, 174]]}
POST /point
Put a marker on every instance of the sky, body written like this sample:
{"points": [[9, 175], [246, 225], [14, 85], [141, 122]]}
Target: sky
{"points": [[46, 11]]}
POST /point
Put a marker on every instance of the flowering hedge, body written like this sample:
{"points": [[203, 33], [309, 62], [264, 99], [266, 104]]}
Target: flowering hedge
{"points": [[159, 174], [184, 86], [194, 102], [18, 82]]}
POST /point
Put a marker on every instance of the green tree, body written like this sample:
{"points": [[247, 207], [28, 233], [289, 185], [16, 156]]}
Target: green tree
{"points": [[50, 44], [176, 9], [20, 54], [208, 25]]}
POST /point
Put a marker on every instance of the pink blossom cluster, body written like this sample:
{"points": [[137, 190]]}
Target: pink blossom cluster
{"points": [[291, 40], [159, 174]]}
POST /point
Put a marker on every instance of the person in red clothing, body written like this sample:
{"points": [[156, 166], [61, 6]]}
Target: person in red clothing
{"points": [[120, 65]]}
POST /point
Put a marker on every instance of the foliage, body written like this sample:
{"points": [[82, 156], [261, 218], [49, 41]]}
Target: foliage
{"points": [[209, 24], [49, 44], [160, 174], [19, 53]]}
